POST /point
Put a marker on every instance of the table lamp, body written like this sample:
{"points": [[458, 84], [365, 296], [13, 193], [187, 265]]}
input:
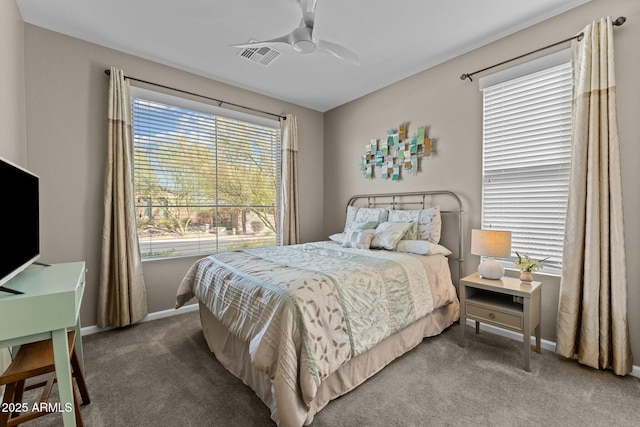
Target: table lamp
{"points": [[491, 243]]}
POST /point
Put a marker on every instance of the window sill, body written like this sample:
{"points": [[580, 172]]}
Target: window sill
{"points": [[557, 274], [175, 258]]}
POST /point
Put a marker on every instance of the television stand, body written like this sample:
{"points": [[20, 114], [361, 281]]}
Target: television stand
{"points": [[10, 291], [41, 263]]}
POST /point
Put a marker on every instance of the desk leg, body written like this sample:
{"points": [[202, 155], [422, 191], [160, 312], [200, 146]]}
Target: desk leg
{"points": [[63, 375]]}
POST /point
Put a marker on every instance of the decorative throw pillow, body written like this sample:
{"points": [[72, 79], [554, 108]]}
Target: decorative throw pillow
{"points": [[359, 215], [359, 226], [429, 222], [412, 232], [368, 225], [358, 239], [422, 247], [402, 215], [430, 225], [354, 236], [388, 234], [371, 214]]}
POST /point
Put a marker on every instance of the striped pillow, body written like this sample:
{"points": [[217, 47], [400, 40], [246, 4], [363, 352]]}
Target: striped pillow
{"points": [[358, 239]]}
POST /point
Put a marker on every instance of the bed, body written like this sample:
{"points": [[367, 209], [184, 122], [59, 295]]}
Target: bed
{"points": [[304, 324]]}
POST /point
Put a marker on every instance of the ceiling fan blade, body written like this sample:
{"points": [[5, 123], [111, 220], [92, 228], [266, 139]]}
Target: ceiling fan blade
{"points": [[286, 39], [308, 8], [308, 5], [338, 51]]}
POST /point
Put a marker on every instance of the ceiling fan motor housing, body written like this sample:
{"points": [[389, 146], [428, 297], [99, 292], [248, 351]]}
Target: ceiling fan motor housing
{"points": [[302, 41]]}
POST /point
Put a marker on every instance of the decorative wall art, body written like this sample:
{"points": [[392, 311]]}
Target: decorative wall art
{"points": [[397, 153]]}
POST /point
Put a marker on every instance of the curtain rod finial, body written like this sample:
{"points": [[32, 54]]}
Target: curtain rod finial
{"points": [[107, 72], [619, 21], [466, 76]]}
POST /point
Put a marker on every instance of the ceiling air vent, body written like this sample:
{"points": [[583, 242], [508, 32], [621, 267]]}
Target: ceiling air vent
{"points": [[261, 55]]}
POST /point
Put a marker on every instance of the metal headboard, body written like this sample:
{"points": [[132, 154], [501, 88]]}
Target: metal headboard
{"points": [[421, 200]]}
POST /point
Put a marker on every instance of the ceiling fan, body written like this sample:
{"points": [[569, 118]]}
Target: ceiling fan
{"points": [[303, 40]]}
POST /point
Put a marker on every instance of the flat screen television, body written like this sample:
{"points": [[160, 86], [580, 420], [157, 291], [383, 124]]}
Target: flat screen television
{"points": [[19, 219]]}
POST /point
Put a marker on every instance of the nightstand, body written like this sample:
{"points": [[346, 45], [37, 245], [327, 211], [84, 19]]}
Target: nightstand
{"points": [[506, 303]]}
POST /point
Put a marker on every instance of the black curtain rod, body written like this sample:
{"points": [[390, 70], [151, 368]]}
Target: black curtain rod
{"points": [[621, 20], [219, 101]]}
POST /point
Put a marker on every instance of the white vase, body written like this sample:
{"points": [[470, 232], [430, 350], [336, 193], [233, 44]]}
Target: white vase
{"points": [[526, 276]]}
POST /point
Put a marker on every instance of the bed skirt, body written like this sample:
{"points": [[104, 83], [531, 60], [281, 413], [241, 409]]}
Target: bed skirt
{"points": [[233, 354]]}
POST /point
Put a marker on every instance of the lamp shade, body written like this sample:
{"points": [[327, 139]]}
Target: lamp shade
{"points": [[492, 243]]}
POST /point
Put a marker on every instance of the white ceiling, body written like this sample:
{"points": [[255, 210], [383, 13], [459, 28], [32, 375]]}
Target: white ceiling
{"points": [[393, 39]]}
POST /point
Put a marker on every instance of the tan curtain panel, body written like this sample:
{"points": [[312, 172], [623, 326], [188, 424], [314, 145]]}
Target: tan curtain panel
{"points": [[122, 298], [592, 312], [289, 228]]}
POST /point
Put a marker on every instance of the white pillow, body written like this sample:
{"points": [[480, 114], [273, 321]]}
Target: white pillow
{"points": [[358, 239], [388, 234], [338, 237], [351, 215], [422, 247]]}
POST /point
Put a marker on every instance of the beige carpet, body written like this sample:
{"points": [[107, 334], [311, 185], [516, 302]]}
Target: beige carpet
{"points": [[161, 373]]}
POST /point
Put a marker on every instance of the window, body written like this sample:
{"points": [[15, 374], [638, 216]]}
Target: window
{"points": [[205, 178], [527, 156]]}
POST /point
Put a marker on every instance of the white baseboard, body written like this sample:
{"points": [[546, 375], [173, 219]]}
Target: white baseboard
{"points": [[545, 344], [88, 330]]}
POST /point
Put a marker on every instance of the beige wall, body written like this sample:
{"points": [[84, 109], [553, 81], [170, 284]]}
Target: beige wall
{"points": [[452, 111], [13, 144], [66, 101]]}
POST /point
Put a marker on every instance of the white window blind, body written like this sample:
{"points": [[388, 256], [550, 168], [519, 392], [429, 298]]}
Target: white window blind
{"points": [[526, 161], [203, 182]]}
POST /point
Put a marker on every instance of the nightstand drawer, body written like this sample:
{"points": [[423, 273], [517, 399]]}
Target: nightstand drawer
{"points": [[497, 317]]}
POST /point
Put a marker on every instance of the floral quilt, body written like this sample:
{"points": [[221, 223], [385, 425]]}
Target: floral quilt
{"points": [[307, 309]]}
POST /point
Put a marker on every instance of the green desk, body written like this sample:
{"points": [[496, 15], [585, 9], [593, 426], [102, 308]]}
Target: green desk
{"points": [[50, 304]]}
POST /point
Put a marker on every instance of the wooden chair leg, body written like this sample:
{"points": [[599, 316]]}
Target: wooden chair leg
{"points": [[19, 391], [9, 392], [48, 386], [4, 418], [77, 409], [79, 376]]}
